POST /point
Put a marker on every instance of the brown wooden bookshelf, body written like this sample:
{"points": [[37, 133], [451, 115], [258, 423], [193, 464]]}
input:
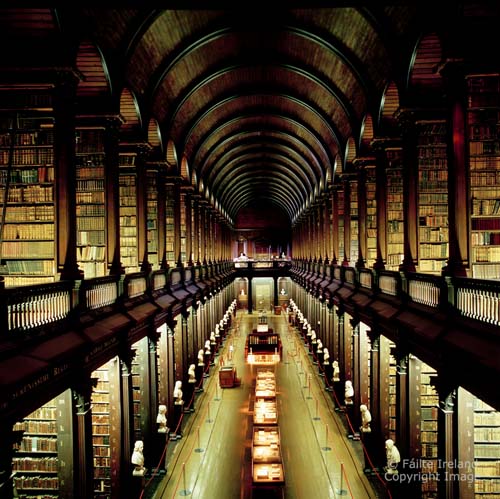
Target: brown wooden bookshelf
{"points": [[27, 194], [433, 247], [394, 207], [42, 463], [483, 118], [128, 212], [486, 450], [152, 218], [90, 201]]}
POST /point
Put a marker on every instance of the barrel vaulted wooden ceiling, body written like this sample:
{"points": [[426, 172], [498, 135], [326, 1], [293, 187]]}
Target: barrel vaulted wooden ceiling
{"points": [[253, 105]]}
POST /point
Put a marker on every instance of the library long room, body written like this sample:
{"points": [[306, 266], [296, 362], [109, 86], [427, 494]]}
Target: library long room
{"points": [[250, 251]]}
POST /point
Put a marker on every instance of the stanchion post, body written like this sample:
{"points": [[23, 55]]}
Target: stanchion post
{"points": [[341, 491], [199, 448], [317, 418], [185, 491], [326, 448]]}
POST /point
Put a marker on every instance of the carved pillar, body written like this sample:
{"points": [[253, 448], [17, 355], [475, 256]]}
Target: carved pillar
{"points": [[402, 441], [335, 225], [250, 296], [458, 219], [347, 220], [112, 198], [82, 430], [177, 222], [447, 442], [64, 157], [410, 185], [189, 226], [195, 198], [142, 208], [127, 408]]}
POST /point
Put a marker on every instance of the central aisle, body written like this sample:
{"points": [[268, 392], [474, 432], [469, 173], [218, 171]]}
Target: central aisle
{"points": [[213, 459]]}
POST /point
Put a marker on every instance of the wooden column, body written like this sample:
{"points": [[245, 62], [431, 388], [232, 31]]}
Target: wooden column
{"points": [[112, 198], [447, 441], [402, 431], [64, 157], [127, 430], [335, 225], [356, 374], [177, 221], [458, 219], [162, 250], [347, 221], [142, 208], [360, 165], [410, 183]]}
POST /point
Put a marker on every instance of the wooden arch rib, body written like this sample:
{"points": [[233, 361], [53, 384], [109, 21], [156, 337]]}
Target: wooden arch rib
{"points": [[293, 113], [241, 140], [425, 62], [260, 148], [389, 103], [272, 128], [332, 46], [366, 132], [129, 110], [224, 85], [154, 134], [244, 195], [95, 80], [244, 166], [350, 150], [184, 168], [171, 155]]}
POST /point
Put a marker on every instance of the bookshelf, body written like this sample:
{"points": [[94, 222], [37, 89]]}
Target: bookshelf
{"points": [[170, 224], [90, 201], [395, 214], [392, 394], [432, 196], [429, 403], [340, 220], [354, 221], [27, 193], [40, 463], [140, 388], [483, 117], [152, 218], [371, 216], [184, 200], [101, 432], [486, 450], [128, 212]]}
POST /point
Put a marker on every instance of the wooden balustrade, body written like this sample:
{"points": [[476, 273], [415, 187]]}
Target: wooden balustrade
{"points": [[31, 307], [425, 289], [478, 299], [388, 283], [100, 292], [136, 284]]}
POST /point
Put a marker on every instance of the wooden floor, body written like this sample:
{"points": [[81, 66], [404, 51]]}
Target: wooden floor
{"points": [[213, 459]]}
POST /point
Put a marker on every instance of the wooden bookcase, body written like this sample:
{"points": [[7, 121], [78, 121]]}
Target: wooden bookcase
{"points": [[483, 118], [183, 226], [152, 218], [90, 201], [486, 450], [393, 410], [170, 224], [27, 191], [432, 196], [429, 403], [104, 432], [340, 221], [371, 216], [395, 214], [354, 221], [128, 212], [42, 462]]}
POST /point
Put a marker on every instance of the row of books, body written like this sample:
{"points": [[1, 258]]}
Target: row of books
{"points": [[91, 253], [28, 231], [30, 194], [43, 137], [33, 267], [486, 254], [485, 238], [486, 206], [90, 223], [38, 249], [492, 223], [433, 250], [485, 178], [91, 238], [28, 156]]}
